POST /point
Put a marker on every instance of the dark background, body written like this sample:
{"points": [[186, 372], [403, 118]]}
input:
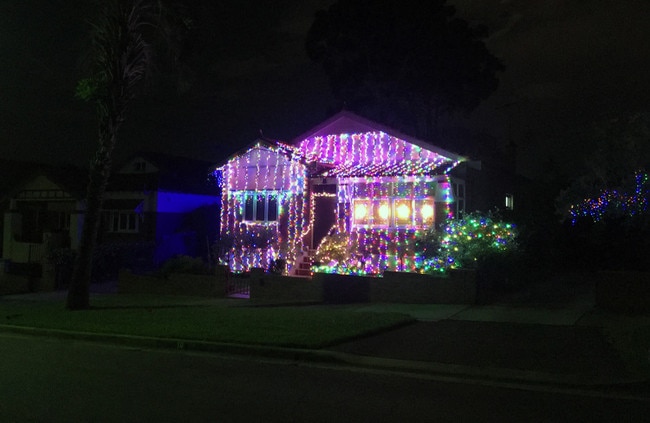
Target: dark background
{"points": [[568, 65]]}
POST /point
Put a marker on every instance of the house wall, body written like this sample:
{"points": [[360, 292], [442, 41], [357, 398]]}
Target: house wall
{"points": [[375, 245], [40, 206], [247, 244], [172, 223]]}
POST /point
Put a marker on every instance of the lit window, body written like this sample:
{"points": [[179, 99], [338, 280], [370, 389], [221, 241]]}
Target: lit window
{"points": [[393, 212], [361, 212], [510, 202], [424, 212], [403, 214], [381, 212]]}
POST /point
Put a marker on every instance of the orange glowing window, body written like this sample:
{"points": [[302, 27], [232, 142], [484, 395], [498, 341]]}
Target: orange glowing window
{"points": [[403, 212], [361, 212], [424, 212], [381, 212]]}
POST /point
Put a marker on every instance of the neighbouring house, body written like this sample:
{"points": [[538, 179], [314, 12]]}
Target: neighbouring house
{"points": [[41, 212], [156, 206], [166, 204], [349, 180]]}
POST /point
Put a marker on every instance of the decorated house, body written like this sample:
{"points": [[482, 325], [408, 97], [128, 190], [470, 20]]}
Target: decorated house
{"points": [[350, 196]]}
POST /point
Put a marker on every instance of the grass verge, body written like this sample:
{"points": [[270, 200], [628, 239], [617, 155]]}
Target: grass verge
{"points": [[299, 327], [632, 341]]}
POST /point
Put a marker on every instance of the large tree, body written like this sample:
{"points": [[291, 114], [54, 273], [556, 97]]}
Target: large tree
{"points": [[123, 41], [403, 63]]}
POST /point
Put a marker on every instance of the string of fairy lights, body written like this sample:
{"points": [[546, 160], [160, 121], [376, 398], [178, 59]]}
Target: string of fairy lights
{"points": [[274, 177], [388, 192], [614, 202]]}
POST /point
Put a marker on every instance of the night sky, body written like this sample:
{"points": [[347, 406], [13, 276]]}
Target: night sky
{"points": [[568, 64]]}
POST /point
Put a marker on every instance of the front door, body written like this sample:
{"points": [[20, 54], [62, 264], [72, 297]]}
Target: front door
{"points": [[324, 217]]}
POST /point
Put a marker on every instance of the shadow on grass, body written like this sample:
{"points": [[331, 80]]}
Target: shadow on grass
{"points": [[145, 307]]}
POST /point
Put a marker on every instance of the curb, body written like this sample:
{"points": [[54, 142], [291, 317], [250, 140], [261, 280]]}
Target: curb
{"points": [[485, 374]]}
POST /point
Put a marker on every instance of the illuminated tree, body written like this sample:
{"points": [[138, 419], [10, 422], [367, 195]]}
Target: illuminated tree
{"points": [[121, 56]]}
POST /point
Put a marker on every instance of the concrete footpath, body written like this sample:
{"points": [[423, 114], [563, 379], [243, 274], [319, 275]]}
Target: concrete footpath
{"points": [[559, 345]]}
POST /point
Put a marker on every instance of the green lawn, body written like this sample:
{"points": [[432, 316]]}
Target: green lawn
{"points": [[196, 319]]}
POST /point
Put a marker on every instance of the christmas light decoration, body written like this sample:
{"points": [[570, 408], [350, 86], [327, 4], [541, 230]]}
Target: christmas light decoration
{"points": [[427, 212], [387, 191], [614, 203], [464, 240], [271, 176]]}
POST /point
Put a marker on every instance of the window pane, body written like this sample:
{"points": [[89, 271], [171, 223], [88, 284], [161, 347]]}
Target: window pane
{"points": [[261, 207], [361, 212], [273, 208], [424, 212], [403, 212], [248, 208], [132, 222], [381, 212]]}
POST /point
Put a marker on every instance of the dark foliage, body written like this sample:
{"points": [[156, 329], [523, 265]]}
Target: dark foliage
{"points": [[403, 63]]}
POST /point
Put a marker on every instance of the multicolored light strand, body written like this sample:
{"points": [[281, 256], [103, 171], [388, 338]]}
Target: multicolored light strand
{"points": [[388, 190], [614, 203]]}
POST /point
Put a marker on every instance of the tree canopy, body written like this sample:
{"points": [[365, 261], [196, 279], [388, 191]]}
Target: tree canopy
{"points": [[403, 63]]}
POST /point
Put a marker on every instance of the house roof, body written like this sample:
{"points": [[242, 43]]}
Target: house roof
{"points": [[347, 145], [410, 168], [268, 143], [168, 173], [71, 179], [346, 122]]}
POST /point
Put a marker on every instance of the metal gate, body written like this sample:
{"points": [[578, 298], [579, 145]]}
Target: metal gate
{"points": [[238, 286]]}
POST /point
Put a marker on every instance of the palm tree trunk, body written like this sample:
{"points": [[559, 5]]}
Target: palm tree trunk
{"points": [[79, 290]]}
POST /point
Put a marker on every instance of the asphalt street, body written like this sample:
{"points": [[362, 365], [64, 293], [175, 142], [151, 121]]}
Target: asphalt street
{"points": [[52, 380]]}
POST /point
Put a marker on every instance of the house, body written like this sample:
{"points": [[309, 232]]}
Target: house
{"points": [[43, 209], [349, 181], [165, 204], [156, 206]]}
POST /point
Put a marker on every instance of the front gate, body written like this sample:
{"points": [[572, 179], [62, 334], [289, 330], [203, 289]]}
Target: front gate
{"points": [[238, 286]]}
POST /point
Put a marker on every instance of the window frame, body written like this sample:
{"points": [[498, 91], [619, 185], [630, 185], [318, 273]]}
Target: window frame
{"points": [[393, 220], [254, 199], [122, 221]]}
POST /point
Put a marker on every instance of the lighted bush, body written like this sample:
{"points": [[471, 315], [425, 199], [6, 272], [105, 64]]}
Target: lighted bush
{"points": [[338, 253], [465, 242], [334, 248]]}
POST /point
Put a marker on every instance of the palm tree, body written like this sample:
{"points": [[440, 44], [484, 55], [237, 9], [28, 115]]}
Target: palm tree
{"points": [[121, 59]]}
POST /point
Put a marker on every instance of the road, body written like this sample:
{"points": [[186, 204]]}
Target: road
{"points": [[51, 380]]}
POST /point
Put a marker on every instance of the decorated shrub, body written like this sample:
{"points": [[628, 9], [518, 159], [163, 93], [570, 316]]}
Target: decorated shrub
{"points": [[466, 243]]}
